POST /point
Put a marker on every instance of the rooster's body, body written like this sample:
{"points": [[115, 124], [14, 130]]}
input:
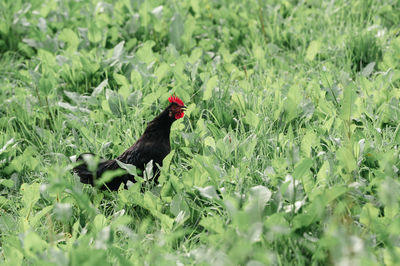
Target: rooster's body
{"points": [[153, 145]]}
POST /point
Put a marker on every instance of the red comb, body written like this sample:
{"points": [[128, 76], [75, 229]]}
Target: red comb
{"points": [[174, 99]]}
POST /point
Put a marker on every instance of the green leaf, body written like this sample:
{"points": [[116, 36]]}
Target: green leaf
{"points": [[176, 30], [145, 53], [107, 176], [33, 244], [8, 143], [118, 51], [94, 33], [47, 58], [367, 71], [348, 106], [302, 167], [213, 224], [238, 100], [7, 183], [69, 36], [167, 160], [136, 80], [115, 102], [130, 168], [323, 174], [210, 85], [179, 205], [368, 214], [259, 196], [99, 222], [162, 70], [346, 158], [62, 212], [335, 192], [251, 119], [121, 80], [313, 50], [208, 192], [195, 55], [39, 215], [209, 141], [308, 142], [99, 89], [30, 195]]}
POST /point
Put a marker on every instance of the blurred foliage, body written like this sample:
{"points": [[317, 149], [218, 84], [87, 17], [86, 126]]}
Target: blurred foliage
{"points": [[288, 153]]}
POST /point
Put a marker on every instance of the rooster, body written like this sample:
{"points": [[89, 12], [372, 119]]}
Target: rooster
{"points": [[153, 145]]}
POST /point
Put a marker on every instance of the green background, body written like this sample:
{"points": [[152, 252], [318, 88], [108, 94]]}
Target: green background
{"points": [[288, 152]]}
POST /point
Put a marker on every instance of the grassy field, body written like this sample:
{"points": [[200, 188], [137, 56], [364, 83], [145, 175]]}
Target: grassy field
{"points": [[288, 152]]}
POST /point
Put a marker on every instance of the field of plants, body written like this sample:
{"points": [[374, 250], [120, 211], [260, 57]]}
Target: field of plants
{"points": [[288, 152]]}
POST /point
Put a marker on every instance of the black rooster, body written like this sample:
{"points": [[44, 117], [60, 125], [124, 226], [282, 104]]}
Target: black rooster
{"points": [[152, 145]]}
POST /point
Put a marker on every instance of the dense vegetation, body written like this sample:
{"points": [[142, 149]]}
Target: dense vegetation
{"points": [[288, 152]]}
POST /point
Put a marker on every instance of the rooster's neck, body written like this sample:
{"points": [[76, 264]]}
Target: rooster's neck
{"points": [[160, 126]]}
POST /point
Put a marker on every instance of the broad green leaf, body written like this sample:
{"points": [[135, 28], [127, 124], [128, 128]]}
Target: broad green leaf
{"points": [[47, 58], [176, 30], [30, 195], [238, 100], [70, 37], [8, 143], [130, 168], [368, 214], [115, 102], [7, 183], [347, 105], [259, 196], [323, 174], [195, 55], [39, 215], [301, 168], [308, 142], [335, 192], [121, 79], [294, 97], [251, 119], [210, 86], [94, 33], [162, 71], [346, 158], [313, 50], [99, 89], [178, 205], [277, 223], [33, 244], [121, 220], [118, 50], [99, 222], [107, 176], [62, 212], [209, 141], [208, 192], [47, 83], [367, 71], [258, 52], [124, 85], [136, 80], [213, 224], [167, 160], [145, 53]]}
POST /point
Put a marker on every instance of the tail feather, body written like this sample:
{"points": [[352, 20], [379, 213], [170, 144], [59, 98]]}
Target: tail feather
{"points": [[82, 170], [87, 177]]}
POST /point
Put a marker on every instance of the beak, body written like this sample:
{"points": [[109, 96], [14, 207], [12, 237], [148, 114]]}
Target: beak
{"points": [[183, 108]]}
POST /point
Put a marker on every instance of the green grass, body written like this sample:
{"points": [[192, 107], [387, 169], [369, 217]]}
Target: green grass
{"points": [[288, 152]]}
